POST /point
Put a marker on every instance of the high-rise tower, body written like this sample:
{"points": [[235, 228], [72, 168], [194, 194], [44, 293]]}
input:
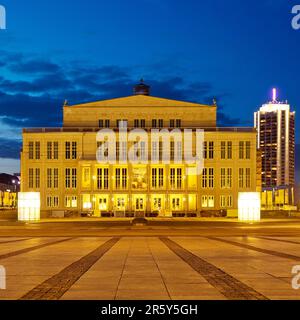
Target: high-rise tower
{"points": [[275, 124]]}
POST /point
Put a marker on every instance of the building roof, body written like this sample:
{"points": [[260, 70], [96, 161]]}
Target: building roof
{"points": [[139, 101]]}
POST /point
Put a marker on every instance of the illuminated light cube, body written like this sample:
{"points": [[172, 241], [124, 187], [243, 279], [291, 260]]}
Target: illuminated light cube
{"points": [[29, 204], [249, 206]]}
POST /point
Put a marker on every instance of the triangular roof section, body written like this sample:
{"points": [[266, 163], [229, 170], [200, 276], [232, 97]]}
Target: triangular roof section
{"points": [[139, 101]]}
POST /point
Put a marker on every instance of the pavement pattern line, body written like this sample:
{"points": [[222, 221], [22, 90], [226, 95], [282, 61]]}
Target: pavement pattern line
{"points": [[230, 287], [17, 240], [274, 239], [40, 246], [56, 286], [158, 269], [253, 248], [122, 272]]}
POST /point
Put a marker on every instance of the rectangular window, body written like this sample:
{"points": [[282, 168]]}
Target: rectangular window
{"points": [[160, 123], [178, 123], [31, 150], [160, 177], [71, 201], [55, 150], [172, 178], [74, 150], [157, 179], [68, 150], [143, 123], [101, 123], [107, 123], [68, 178], [211, 150], [176, 178], [248, 178], [49, 201], [241, 150], [208, 201], [241, 178], [55, 201], [37, 150], [211, 177], [49, 178], [223, 178], [154, 123], [223, 150], [172, 123], [74, 178], [55, 178], [37, 178], [226, 201], [248, 149], [121, 178], [208, 150], [49, 150], [52, 202], [226, 178], [208, 178], [229, 150], [30, 180], [102, 178]]}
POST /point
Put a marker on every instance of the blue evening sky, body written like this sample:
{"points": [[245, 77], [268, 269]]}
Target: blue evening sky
{"points": [[193, 50]]}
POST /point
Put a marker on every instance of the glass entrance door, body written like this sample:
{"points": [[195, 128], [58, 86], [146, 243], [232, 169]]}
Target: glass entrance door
{"points": [[139, 204]]}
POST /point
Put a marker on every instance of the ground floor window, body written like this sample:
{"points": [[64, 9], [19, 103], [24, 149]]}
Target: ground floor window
{"points": [[208, 201], [52, 201], [226, 201], [71, 201], [176, 203]]}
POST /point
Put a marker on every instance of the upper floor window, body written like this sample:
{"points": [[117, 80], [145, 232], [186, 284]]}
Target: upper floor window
{"points": [[52, 150], [121, 178], [34, 180], [244, 150], [176, 178], [139, 123], [71, 178], [157, 180], [226, 149], [34, 151], [208, 178], [71, 150], [244, 178], [104, 123], [102, 178], [208, 150]]}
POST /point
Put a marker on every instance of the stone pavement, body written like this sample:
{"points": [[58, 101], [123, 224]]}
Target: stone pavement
{"points": [[145, 268]]}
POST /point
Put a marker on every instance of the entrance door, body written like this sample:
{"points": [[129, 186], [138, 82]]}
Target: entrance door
{"points": [[120, 205], [139, 204]]}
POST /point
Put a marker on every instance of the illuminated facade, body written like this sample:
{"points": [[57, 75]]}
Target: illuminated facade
{"points": [[275, 123], [61, 163]]}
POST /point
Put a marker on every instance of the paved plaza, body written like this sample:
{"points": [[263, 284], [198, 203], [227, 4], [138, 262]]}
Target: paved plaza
{"points": [[99, 260]]}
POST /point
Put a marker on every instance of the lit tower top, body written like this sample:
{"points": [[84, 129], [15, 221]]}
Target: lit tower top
{"points": [[142, 89], [274, 94]]}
